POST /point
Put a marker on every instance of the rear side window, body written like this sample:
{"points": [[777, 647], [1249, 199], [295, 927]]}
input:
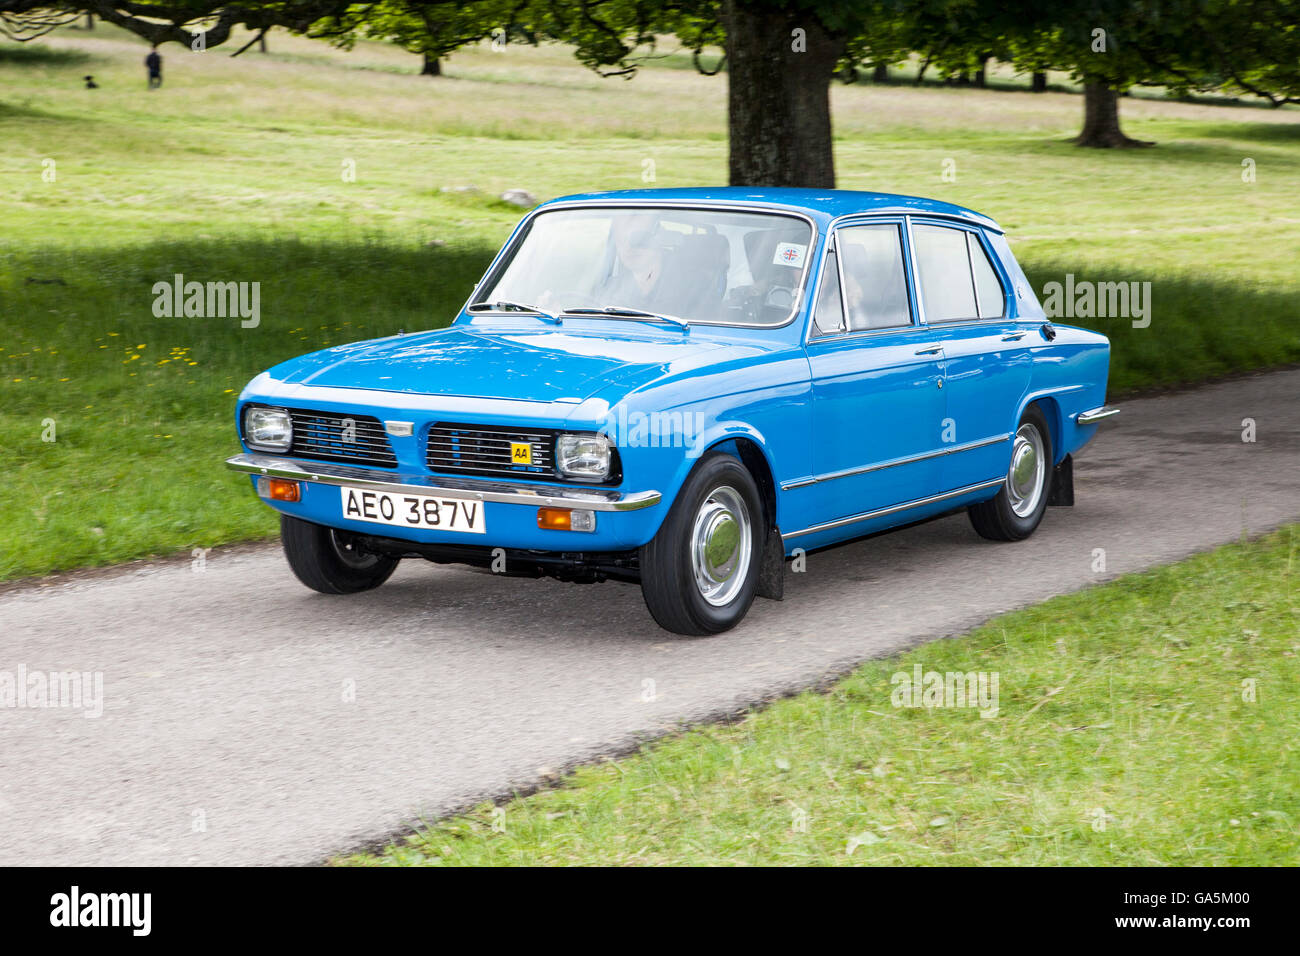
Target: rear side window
{"points": [[988, 288], [1027, 304], [875, 282], [943, 266]]}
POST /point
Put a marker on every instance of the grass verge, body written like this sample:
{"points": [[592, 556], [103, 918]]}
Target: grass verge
{"points": [[1148, 721], [140, 409]]}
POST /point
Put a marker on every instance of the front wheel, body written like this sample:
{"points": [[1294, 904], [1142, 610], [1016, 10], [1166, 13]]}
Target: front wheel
{"points": [[1019, 506], [700, 572], [330, 561]]}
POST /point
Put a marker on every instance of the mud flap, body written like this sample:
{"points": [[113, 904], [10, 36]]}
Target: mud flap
{"points": [[771, 572], [1061, 491]]}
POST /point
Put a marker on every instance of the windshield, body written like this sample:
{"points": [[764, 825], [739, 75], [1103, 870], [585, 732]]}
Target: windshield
{"points": [[699, 265]]}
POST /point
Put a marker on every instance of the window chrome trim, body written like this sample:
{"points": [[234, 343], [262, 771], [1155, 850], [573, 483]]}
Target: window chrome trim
{"points": [[844, 289], [894, 509], [800, 292], [895, 462], [915, 275], [471, 489], [974, 286], [969, 216]]}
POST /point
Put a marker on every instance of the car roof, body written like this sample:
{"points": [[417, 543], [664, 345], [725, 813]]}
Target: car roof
{"points": [[825, 204]]}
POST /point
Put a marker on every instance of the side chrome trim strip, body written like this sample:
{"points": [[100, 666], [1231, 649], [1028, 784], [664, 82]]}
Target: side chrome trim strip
{"points": [[1094, 415], [894, 462], [894, 509], [471, 489]]}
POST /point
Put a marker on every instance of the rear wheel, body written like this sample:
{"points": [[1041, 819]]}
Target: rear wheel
{"points": [[700, 572], [332, 561], [1018, 508]]}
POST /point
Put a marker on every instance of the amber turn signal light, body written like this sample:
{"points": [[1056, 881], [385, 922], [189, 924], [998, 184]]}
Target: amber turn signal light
{"points": [[554, 519], [280, 489], [564, 519]]}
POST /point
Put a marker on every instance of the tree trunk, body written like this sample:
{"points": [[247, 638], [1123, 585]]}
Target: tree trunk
{"points": [[920, 74], [1101, 119], [90, 21], [880, 73], [1039, 82], [981, 75], [261, 43], [779, 70], [432, 66]]}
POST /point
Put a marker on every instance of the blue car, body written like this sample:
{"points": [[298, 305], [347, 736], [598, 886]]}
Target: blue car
{"points": [[685, 388]]}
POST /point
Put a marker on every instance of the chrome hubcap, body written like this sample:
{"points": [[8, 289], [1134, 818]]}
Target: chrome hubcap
{"points": [[1028, 468], [722, 542]]}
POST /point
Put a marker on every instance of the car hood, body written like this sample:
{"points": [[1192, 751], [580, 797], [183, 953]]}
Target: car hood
{"points": [[522, 364]]}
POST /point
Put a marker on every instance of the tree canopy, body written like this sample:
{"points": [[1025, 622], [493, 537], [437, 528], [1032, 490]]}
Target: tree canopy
{"points": [[780, 56]]}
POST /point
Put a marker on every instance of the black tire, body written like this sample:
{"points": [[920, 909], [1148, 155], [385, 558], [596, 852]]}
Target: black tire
{"points": [[1006, 517], [329, 561], [668, 575]]}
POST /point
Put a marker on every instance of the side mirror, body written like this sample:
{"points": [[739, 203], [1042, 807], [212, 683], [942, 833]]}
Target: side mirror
{"points": [[1048, 330]]}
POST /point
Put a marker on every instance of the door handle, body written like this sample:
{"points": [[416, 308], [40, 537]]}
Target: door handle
{"points": [[930, 350], [1014, 336]]}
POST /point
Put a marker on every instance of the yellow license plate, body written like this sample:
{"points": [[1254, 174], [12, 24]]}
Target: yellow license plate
{"points": [[521, 453]]}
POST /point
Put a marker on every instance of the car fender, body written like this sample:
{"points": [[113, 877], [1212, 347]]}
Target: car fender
{"points": [[1069, 375]]}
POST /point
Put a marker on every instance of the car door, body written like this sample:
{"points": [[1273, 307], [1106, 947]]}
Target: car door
{"points": [[877, 377], [965, 303]]}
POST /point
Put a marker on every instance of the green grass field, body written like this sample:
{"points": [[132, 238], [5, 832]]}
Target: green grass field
{"points": [[1127, 733], [233, 171]]}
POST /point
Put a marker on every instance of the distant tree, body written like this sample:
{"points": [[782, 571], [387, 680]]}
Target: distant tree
{"points": [[1185, 45], [1101, 44], [960, 40], [887, 41], [432, 30]]}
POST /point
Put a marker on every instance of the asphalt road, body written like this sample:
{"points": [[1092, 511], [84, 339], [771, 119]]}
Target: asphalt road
{"points": [[247, 720]]}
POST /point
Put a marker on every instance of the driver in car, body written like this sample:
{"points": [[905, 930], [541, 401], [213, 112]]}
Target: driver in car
{"points": [[637, 278]]}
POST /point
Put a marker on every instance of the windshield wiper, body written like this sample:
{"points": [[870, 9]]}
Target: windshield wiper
{"points": [[504, 306], [625, 313]]}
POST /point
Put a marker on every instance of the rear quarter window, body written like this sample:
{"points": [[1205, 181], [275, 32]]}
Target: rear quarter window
{"points": [[943, 267], [1022, 293]]}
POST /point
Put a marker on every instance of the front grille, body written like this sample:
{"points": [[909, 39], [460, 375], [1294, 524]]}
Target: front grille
{"points": [[355, 439], [472, 450]]}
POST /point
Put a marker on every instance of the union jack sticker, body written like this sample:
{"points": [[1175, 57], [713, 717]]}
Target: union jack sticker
{"points": [[789, 254]]}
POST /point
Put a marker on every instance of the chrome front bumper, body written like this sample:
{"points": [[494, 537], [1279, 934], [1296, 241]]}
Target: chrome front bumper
{"points": [[472, 489], [1094, 415]]}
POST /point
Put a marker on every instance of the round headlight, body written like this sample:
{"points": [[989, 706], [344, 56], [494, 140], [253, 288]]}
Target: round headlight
{"points": [[268, 429], [583, 456]]}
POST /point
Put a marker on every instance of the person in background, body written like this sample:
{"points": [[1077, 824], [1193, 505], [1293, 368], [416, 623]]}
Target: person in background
{"points": [[153, 62]]}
